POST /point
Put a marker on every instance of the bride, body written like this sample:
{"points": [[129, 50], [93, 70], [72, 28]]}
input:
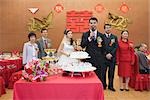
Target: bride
{"points": [[65, 49]]}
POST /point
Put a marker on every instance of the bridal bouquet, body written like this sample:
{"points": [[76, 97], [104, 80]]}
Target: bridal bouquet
{"points": [[36, 70]]}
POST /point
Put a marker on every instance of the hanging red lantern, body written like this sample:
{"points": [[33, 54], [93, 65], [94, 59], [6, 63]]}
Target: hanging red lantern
{"points": [[58, 8], [124, 8], [99, 8]]}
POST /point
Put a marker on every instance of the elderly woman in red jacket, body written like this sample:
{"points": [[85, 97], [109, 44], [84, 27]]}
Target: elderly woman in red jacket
{"points": [[125, 59]]}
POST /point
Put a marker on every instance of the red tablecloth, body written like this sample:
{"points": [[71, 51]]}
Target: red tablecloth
{"points": [[7, 67], [2, 86], [14, 77], [60, 88]]}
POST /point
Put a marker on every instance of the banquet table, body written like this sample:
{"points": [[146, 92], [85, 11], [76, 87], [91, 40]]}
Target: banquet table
{"points": [[9, 66], [60, 88]]}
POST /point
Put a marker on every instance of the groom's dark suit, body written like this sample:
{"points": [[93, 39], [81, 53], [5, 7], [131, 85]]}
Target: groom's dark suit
{"points": [[95, 52]]}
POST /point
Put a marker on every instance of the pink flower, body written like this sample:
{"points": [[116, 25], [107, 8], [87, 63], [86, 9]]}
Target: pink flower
{"points": [[31, 76]]}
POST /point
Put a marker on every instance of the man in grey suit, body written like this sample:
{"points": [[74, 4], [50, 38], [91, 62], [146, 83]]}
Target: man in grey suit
{"points": [[43, 43], [144, 66]]}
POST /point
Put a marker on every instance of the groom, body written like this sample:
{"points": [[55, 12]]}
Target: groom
{"points": [[93, 41]]}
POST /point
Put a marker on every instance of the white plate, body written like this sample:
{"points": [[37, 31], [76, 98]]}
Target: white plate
{"points": [[79, 69], [80, 57], [13, 58]]}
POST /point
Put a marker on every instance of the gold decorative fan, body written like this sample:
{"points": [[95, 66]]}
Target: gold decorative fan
{"points": [[36, 24], [118, 22]]}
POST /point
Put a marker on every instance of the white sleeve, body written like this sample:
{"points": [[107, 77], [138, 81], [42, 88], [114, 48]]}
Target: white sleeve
{"points": [[25, 54]]}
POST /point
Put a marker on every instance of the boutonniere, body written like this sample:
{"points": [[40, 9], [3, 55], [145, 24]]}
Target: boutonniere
{"points": [[112, 42], [99, 41]]}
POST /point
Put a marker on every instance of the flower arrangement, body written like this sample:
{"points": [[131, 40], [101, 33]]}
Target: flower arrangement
{"points": [[36, 70]]}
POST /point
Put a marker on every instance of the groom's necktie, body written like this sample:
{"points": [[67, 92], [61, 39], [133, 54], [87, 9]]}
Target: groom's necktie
{"points": [[108, 35], [94, 37]]}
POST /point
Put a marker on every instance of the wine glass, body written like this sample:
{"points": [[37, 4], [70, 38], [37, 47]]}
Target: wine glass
{"points": [[47, 52], [53, 52]]}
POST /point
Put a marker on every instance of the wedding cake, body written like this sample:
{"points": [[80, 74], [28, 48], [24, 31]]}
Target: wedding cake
{"points": [[79, 67], [79, 55]]}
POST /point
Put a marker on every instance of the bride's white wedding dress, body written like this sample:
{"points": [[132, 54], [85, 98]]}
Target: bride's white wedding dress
{"points": [[64, 60], [68, 48]]}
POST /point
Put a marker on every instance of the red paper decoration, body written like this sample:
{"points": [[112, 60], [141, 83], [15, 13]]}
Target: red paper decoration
{"points": [[124, 8], [99, 8], [58, 8], [78, 21]]}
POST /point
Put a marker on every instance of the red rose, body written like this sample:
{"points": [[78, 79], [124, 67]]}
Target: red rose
{"points": [[38, 79], [47, 64], [29, 71], [46, 70]]}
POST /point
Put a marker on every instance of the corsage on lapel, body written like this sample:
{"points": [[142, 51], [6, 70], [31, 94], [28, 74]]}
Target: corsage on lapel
{"points": [[112, 42], [99, 41]]}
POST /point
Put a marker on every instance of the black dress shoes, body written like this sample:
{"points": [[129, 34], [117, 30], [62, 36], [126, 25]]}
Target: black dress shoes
{"points": [[127, 90], [121, 89], [104, 88], [112, 89]]}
